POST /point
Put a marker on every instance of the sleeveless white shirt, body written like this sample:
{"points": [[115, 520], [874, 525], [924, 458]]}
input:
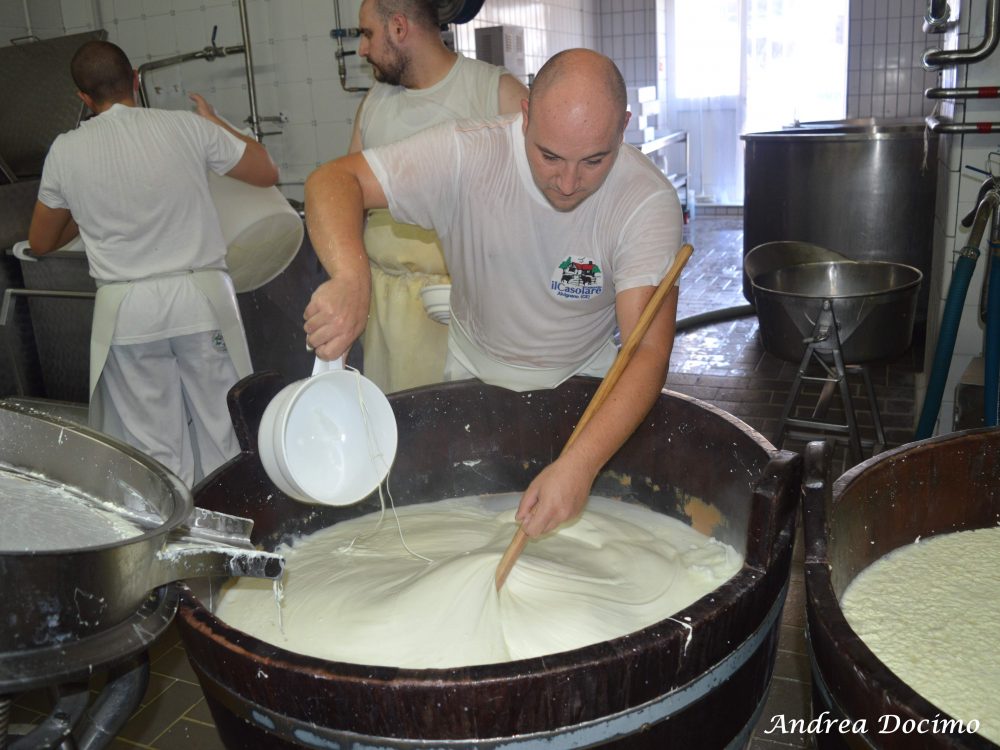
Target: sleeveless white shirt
{"points": [[391, 113]]}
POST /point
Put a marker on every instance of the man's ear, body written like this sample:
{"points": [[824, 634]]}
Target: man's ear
{"points": [[399, 27], [86, 100], [524, 115], [628, 116]]}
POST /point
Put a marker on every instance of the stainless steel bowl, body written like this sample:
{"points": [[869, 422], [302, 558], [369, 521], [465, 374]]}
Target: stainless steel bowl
{"points": [[772, 256], [53, 597], [873, 304]]}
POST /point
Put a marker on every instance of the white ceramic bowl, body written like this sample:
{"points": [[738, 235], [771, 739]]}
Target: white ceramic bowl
{"points": [[436, 299], [318, 444]]}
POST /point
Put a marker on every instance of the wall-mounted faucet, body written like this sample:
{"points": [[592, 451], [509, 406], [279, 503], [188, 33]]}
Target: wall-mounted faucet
{"points": [[211, 52], [339, 33]]}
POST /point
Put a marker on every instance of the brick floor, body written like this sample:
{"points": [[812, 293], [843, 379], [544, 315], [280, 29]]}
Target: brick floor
{"points": [[725, 364]]}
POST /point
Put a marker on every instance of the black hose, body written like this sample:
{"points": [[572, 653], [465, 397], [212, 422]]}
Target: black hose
{"points": [[715, 316], [115, 704]]}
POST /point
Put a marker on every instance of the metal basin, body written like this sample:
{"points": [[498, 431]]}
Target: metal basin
{"points": [[873, 304], [772, 256], [863, 187], [57, 596]]}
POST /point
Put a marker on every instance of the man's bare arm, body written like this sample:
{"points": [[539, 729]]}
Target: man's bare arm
{"points": [[511, 93], [560, 491], [51, 228], [337, 196]]}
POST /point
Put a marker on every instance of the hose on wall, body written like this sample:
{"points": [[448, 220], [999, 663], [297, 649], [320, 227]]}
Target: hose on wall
{"points": [[991, 354], [957, 291]]}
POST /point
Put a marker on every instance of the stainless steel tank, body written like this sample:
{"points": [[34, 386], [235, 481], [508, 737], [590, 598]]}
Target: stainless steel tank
{"points": [[864, 188]]}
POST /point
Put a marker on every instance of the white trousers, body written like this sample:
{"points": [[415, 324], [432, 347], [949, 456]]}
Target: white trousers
{"points": [[167, 398]]}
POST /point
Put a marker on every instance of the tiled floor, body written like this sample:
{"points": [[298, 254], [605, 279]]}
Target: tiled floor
{"points": [[722, 363]]}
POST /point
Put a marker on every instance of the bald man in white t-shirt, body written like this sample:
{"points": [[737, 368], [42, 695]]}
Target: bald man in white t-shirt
{"points": [[554, 231]]}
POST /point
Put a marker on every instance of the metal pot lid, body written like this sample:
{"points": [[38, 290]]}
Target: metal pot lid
{"points": [[34, 77], [458, 11]]}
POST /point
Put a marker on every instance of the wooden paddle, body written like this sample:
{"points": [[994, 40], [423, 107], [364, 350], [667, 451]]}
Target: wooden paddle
{"points": [[516, 545]]}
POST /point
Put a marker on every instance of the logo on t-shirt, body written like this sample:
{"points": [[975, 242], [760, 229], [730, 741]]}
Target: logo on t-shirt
{"points": [[577, 277]]}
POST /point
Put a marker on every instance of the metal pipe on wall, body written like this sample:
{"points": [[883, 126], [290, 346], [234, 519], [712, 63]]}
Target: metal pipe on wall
{"points": [[208, 53], [936, 58], [938, 16], [254, 119], [27, 18], [964, 92], [339, 33]]}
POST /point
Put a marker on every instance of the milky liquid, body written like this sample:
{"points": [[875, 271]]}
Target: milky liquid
{"points": [[37, 514], [354, 593]]}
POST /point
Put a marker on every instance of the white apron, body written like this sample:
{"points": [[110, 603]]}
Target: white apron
{"points": [[217, 287], [403, 348]]}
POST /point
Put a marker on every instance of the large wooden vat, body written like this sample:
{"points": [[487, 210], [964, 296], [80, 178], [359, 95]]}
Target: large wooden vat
{"points": [[936, 486], [696, 680]]}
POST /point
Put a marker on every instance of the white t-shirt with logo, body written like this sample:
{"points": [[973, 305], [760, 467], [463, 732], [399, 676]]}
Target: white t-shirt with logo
{"points": [[532, 286]]}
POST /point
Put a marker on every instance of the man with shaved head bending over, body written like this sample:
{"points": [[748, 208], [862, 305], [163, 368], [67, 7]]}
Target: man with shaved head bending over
{"points": [[554, 232]]}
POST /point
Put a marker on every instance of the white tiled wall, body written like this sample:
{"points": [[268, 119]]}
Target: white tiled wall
{"points": [[886, 43], [43, 21], [294, 61]]}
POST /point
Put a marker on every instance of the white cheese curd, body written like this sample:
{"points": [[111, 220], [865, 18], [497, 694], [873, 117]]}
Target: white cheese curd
{"points": [[931, 612], [356, 594]]}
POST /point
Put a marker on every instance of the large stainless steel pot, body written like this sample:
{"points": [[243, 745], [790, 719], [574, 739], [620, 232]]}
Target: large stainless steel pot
{"points": [[772, 256], [52, 597], [873, 304], [865, 188]]}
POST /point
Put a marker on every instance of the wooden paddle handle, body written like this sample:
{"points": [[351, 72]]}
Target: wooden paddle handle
{"points": [[516, 545]]}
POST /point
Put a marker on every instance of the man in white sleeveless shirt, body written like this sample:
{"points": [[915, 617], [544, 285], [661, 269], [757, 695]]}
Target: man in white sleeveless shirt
{"points": [[553, 229], [419, 83], [167, 341]]}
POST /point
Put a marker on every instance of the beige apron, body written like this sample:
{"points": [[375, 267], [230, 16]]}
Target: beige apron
{"points": [[472, 361], [217, 287], [403, 348]]}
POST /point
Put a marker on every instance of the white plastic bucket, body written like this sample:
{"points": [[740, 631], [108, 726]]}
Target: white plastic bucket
{"points": [[328, 439], [263, 232]]}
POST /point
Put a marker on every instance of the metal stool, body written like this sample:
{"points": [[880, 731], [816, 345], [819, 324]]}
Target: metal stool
{"points": [[826, 331]]}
